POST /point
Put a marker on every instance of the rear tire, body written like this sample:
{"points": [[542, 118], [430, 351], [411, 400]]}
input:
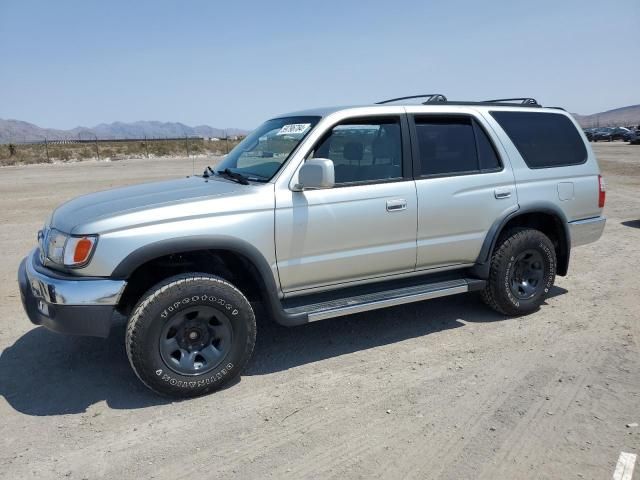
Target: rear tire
{"points": [[523, 269], [190, 335]]}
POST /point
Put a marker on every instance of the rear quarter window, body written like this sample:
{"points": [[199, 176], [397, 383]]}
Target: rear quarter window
{"points": [[544, 140]]}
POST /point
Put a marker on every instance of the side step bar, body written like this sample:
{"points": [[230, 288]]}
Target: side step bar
{"points": [[388, 298]]}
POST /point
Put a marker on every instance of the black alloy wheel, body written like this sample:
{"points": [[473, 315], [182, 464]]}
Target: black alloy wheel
{"points": [[194, 341], [527, 274]]}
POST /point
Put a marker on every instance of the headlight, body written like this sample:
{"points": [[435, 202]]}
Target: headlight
{"points": [[67, 250], [54, 246]]}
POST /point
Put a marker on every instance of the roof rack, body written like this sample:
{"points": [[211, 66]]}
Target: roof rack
{"points": [[522, 101], [439, 98], [430, 98]]}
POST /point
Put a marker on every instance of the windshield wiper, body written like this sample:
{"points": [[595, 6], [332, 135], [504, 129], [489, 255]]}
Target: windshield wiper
{"points": [[235, 176], [205, 174]]}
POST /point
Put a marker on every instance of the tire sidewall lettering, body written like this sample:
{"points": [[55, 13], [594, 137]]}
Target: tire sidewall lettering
{"points": [[228, 306], [196, 383]]}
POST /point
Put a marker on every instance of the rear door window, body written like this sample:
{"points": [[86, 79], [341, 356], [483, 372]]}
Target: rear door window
{"points": [[453, 145], [544, 140]]}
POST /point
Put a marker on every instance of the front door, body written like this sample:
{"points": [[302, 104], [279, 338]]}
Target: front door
{"points": [[363, 227]]}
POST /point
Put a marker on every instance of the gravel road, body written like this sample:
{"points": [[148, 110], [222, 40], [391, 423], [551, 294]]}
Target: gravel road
{"points": [[440, 389]]}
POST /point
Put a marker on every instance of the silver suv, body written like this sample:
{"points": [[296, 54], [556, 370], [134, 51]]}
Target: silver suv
{"points": [[318, 214]]}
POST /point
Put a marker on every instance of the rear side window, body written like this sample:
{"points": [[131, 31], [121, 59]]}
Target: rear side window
{"points": [[453, 146], [543, 139]]}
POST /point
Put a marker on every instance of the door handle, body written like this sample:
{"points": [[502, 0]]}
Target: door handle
{"points": [[396, 205], [502, 193]]}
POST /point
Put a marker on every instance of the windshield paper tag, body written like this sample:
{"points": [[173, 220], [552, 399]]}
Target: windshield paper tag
{"points": [[294, 129]]}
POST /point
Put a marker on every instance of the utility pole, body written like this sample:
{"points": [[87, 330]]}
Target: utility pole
{"points": [[146, 146], [97, 149], [46, 146]]}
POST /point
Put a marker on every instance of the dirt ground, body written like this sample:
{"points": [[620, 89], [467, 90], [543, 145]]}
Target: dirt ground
{"points": [[440, 389]]}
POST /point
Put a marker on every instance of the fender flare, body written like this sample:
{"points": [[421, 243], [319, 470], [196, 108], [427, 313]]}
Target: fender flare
{"points": [[162, 248], [481, 269]]}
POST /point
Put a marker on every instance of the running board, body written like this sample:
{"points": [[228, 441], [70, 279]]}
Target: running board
{"points": [[388, 298]]}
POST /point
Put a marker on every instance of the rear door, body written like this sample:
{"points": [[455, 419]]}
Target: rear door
{"points": [[464, 184], [551, 160], [363, 227]]}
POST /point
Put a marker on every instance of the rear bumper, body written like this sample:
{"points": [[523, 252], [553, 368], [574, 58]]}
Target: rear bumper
{"points": [[67, 304], [586, 231]]}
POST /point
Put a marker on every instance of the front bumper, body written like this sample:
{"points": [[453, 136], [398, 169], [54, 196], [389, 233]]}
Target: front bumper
{"points": [[586, 231], [65, 303]]}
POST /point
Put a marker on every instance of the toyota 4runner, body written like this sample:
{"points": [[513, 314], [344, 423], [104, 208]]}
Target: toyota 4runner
{"points": [[315, 215]]}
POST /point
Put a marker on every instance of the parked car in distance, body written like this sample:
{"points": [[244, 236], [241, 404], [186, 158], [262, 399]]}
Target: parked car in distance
{"points": [[315, 215], [619, 133], [602, 134], [629, 134], [588, 132], [610, 134]]}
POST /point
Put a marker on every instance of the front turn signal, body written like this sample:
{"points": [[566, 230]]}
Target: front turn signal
{"points": [[78, 250]]}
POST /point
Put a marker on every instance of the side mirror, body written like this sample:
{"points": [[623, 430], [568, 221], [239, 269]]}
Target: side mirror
{"points": [[315, 173]]}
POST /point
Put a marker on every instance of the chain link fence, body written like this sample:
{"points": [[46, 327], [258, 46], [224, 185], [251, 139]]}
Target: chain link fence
{"points": [[44, 150]]}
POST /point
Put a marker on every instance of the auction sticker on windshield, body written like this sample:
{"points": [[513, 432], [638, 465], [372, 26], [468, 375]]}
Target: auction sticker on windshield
{"points": [[294, 129]]}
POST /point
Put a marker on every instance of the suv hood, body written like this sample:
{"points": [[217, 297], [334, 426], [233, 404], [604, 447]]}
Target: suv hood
{"points": [[139, 204]]}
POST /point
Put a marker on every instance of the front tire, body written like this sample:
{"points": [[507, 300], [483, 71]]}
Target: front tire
{"points": [[523, 269], [190, 334]]}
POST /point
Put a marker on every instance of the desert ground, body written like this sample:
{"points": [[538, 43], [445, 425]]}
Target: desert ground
{"points": [[440, 389]]}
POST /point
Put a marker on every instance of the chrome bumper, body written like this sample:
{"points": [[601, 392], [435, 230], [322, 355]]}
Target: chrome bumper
{"points": [[59, 289], [586, 231], [67, 304]]}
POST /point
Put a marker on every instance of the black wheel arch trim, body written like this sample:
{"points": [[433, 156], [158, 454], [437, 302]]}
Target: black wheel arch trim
{"points": [[162, 248], [481, 269]]}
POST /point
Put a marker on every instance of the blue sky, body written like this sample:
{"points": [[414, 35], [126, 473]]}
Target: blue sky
{"points": [[232, 64]]}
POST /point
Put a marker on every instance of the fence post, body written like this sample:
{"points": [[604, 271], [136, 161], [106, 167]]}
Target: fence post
{"points": [[46, 146]]}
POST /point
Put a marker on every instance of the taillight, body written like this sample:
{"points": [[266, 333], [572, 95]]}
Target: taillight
{"points": [[602, 192]]}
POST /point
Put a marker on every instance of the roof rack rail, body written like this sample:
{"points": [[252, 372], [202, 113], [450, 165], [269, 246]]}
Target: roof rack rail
{"points": [[430, 98], [522, 101]]}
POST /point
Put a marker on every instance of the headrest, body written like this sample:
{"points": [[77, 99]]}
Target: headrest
{"points": [[353, 151]]}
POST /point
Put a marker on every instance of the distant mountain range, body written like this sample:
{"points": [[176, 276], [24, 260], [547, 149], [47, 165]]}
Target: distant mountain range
{"points": [[19, 131], [622, 117]]}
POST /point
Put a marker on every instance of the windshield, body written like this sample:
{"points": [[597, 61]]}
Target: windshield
{"points": [[261, 154]]}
